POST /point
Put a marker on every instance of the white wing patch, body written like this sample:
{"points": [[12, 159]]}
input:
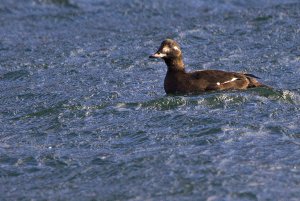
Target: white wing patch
{"points": [[232, 80]]}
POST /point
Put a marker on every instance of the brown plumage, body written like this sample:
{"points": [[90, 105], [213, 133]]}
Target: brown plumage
{"points": [[178, 81]]}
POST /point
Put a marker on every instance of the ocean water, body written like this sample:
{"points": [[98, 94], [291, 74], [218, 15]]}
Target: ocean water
{"points": [[84, 116]]}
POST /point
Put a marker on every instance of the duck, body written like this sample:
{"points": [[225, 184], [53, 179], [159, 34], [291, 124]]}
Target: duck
{"points": [[179, 81]]}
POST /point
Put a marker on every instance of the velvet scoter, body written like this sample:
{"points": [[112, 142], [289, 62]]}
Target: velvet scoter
{"points": [[178, 81]]}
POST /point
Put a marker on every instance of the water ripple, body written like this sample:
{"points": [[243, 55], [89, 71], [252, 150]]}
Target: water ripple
{"points": [[84, 116]]}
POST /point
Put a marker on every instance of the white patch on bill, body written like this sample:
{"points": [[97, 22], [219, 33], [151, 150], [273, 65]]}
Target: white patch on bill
{"points": [[176, 48], [160, 55], [166, 49], [218, 83]]}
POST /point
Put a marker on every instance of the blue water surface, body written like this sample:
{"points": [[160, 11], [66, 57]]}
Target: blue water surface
{"points": [[84, 116]]}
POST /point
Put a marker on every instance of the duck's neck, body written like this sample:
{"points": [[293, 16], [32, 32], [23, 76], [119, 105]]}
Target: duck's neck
{"points": [[175, 64]]}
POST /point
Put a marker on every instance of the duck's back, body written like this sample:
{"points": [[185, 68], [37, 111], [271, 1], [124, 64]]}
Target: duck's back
{"points": [[181, 82]]}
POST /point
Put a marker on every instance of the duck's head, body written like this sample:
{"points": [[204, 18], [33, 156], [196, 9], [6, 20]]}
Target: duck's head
{"points": [[169, 49], [170, 52]]}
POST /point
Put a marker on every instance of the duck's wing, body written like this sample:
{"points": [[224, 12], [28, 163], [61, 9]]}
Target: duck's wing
{"points": [[218, 80], [217, 76]]}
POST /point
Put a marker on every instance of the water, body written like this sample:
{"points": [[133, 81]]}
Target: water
{"points": [[83, 113]]}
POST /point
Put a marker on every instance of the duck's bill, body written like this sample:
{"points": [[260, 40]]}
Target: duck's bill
{"points": [[157, 55]]}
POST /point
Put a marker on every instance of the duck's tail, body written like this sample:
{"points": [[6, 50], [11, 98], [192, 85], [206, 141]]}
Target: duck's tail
{"points": [[253, 81]]}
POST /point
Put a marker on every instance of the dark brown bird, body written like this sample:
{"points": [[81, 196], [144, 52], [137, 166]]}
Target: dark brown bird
{"points": [[178, 81]]}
